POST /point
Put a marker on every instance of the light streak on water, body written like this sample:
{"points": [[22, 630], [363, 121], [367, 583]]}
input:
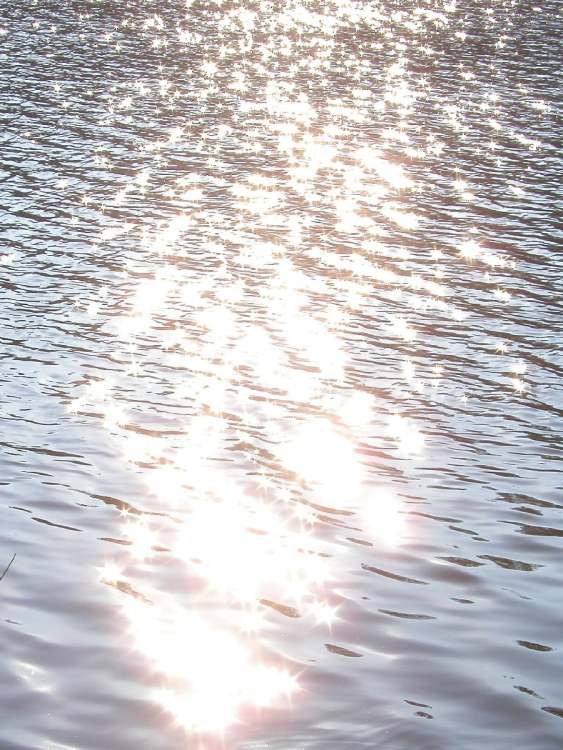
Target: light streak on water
{"points": [[236, 302]]}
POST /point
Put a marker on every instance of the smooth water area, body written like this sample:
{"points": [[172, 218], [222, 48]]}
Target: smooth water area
{"points": [[281, 408]]}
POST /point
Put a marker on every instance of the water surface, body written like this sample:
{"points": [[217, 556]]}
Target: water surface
{"points": [[280, 389]]}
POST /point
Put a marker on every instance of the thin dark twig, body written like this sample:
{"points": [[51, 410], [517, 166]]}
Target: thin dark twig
{"points": [[9, 566]]}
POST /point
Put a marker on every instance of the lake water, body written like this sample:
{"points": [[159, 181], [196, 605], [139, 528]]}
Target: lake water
{"points": [[280, 390]]}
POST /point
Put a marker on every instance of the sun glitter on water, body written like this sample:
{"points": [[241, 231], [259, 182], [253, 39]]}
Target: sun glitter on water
{"points": [[240, 285]]}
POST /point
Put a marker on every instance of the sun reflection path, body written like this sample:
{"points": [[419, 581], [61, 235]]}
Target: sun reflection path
{"points": [[234, 398]]}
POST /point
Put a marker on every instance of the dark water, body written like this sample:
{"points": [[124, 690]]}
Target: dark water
{"points": [[280, 389]]}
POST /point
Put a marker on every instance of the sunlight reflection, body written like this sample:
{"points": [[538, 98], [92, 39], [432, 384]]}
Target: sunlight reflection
{"points": [[253, 279]]}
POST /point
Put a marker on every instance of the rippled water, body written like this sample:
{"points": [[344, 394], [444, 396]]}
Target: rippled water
{"points": [[280, 390]]}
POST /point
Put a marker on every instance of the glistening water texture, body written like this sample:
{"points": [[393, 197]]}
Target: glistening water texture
{"points": [[280, 390]]}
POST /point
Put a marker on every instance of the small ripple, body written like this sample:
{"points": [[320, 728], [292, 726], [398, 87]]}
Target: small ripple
{"points": [[534, 646], [507, 563], [340, 650], [283, 609], [463, 561], [406, 615], [527, 690], [553, 710]]}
